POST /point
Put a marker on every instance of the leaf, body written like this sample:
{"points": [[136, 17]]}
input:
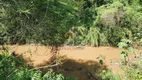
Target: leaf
{"points": [[122, 45], [131, 49], [101, 61], [97, 57], [126, 41], [124, 54], [27, 11]]}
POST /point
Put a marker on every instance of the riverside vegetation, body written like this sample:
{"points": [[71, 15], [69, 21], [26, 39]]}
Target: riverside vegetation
{"points": [[69, 22]]}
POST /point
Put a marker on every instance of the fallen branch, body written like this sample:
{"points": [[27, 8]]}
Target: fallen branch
{"points": [[48, 66]]}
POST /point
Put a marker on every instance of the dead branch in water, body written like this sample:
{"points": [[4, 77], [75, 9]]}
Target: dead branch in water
{"points": [[48, 66]]}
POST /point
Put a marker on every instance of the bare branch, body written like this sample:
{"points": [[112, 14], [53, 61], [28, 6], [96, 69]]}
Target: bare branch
{"points": [[48, 66]]}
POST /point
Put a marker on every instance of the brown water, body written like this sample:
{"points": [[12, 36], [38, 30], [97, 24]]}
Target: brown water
{"points": [[79, 60]]}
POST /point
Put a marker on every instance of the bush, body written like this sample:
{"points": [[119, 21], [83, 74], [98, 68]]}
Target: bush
{"points": [[13, 68], [118, 34], [134, 70], [109, 75]]}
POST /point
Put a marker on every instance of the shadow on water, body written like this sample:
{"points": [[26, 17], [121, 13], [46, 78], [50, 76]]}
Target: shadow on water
{"points": [[81, 69]]}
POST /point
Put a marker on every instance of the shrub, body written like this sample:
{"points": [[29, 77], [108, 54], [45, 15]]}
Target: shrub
{"points": [[13, 68], [109, 75], [134, 70]]}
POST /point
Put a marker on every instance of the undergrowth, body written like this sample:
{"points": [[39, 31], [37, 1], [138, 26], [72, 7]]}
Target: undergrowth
{"points": [[14, 68], [134, 70]]}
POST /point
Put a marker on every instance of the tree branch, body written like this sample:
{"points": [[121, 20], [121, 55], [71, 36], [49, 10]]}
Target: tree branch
{"points": [[48, 66]]}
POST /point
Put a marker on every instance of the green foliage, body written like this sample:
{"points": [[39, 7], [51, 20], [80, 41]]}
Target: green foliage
{"points": [[47, 21], [109, 75], [80, 35], [101, 59], [131, 68], [93, 37], [138, 38], [35, 21], [71, 78], [52, 76], [133, 71], [124, 54], [75, 35], [13, 68], [71, 22], [126, 44], [114, 20], [110, 14], [120, 33], [9, 65], [122, 44]]}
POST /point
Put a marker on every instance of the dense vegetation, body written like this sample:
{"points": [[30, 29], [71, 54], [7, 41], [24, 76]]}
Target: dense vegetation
{"points": [[66, 22], [73, 22], [13, 68]]}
